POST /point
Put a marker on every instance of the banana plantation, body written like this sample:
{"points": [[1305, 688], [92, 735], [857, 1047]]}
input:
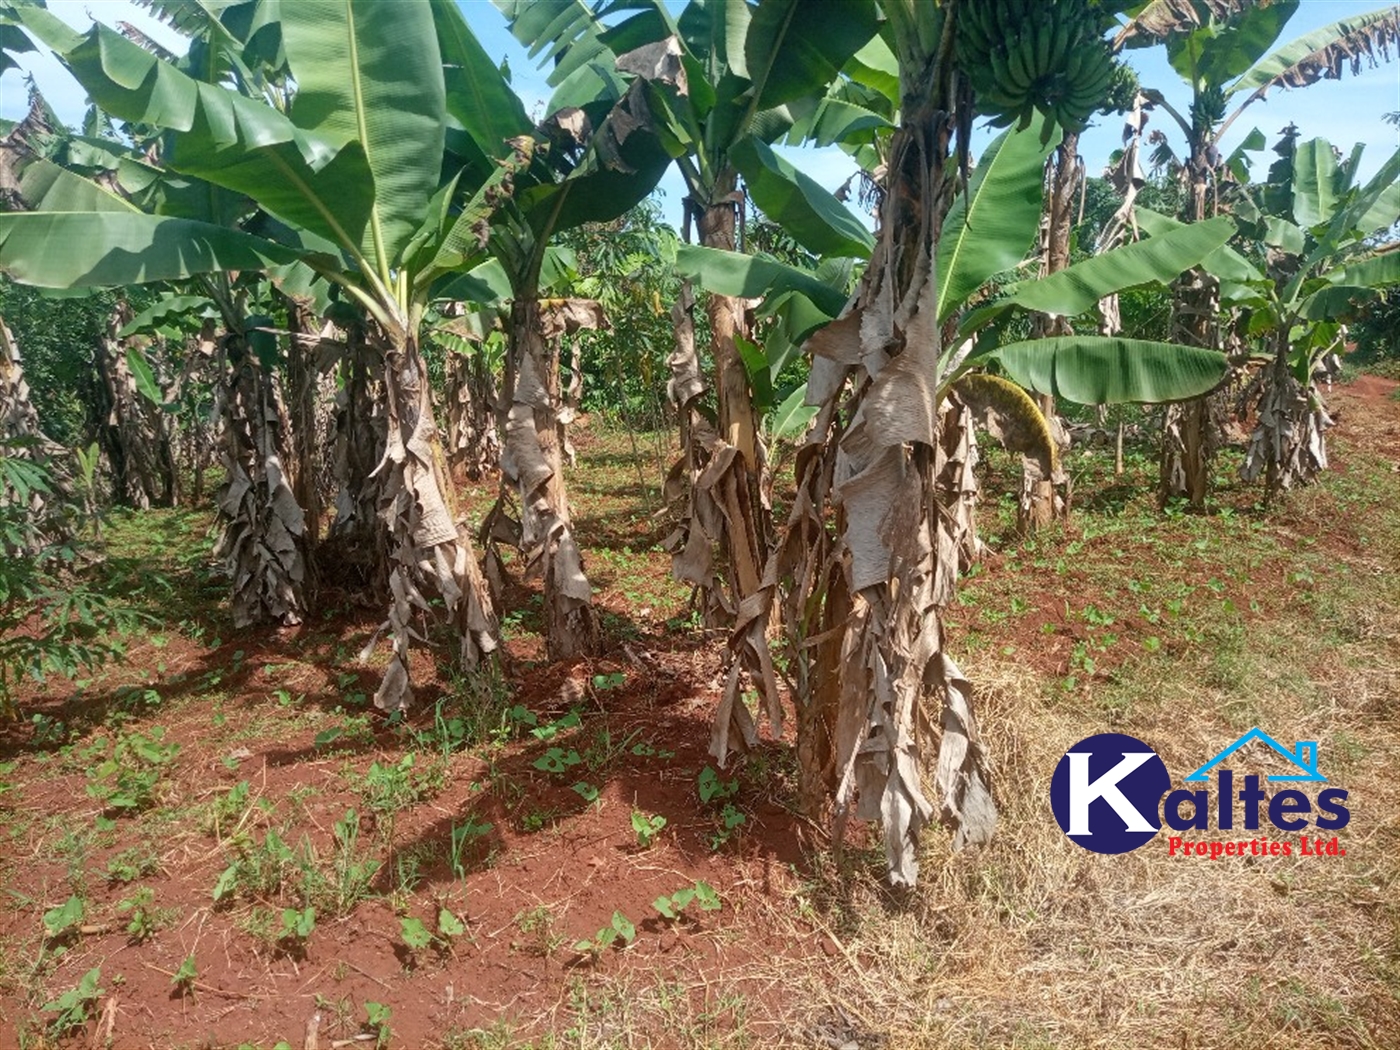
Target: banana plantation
{"points": [[527, 558]]}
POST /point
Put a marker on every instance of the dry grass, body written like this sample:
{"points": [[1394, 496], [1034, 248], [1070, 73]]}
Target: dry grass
{"points": [[1034, 942]]}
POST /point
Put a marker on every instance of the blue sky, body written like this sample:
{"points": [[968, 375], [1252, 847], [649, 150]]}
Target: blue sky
{"points": [[1346, 111]]}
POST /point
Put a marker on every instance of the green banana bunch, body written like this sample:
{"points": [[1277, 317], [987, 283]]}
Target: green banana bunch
{"points": [[1028, 56]]}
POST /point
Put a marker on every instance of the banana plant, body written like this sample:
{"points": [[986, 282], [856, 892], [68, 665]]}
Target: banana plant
{"points": [[722, 81], [1229, 61], [888, 461], [352, 180], [1316, 226]]}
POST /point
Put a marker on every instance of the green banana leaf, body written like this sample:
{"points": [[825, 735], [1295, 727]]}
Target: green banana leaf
{"points": [[1351, 285], [221, 136], [1314, 183], [729, 273], [1098, 370], [1216, 54], [108, 249], [1336, 302], [792, 48], [990, 229], [478, 96], [789, 421], [172, 306], [1268, 70], [1224, 262], [1157, 259], [794, 200], [47, 187], [369, 71], [144, 376]]}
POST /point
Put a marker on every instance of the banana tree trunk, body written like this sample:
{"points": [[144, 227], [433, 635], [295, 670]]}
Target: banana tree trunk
{"points": [[1043, 500], [1191, 430], [263, 543], [134, 434], [429, 545], [304, 386], [532, 466], [872, 550], [1288, 444], [724, 543], [356, 552], [44, 518], [474, 443]]}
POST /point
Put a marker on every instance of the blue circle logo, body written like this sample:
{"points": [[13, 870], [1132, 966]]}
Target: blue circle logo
{"points": [[1106, 792]]}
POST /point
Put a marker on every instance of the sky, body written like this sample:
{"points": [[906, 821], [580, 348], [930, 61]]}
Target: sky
{"points": [[1345, 112]]}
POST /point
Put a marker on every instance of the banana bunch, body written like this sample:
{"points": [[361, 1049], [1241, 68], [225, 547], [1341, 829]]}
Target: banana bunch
{"points": [[1207, 108], [1027, 55]]}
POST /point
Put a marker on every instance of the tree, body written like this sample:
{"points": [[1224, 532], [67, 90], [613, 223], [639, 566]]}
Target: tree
{"points": [[873, 546], [353, 181], [719, 79], [1314, 223], [1225, 60]]}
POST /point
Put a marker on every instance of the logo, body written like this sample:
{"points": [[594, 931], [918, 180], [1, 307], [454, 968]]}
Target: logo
{"points": [[1112, 793]]}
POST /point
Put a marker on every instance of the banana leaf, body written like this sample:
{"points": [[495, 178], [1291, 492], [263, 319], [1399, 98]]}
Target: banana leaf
{"points": [[1098, 370], [990, 229]]}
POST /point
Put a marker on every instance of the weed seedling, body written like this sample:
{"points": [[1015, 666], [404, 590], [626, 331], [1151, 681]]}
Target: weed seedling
{"points": [[71, 1008], [185, 976], [647, 827], [620, 929], [701, 893], [145, 920], [62, 922], [377, 1023], [462, 835], [297, 924], [131, 864]]}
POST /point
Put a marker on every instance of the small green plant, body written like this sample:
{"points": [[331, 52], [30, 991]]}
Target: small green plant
{"points": [[647, 827], [131, 864], [586, 791], [185, 977], [731, 818], [377, 1023], [545, 733], [71, 1008], [63, 921], [603, 682], [557, 760], [462, 836], [711, 787], [126, 782], [620, 929], [145, 920], [417, 936], [702, 893], [227, 810], [537, 927], [297, 924]]}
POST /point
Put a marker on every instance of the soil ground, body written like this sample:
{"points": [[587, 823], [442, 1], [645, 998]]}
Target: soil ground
{"points": [[167, 823]]}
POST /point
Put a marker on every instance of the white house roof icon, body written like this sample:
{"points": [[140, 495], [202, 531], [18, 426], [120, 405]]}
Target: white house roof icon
{"points": [[1304, 756]]}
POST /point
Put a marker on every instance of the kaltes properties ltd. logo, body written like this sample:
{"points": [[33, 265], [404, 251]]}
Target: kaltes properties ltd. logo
{"points": [[1111, 793]]}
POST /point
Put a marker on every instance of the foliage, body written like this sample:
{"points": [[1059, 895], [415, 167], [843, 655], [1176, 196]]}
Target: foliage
{"points": [[71, 1008], [620, 929], [53, 621], [126, 782], [671, 907], [647, 826]]}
